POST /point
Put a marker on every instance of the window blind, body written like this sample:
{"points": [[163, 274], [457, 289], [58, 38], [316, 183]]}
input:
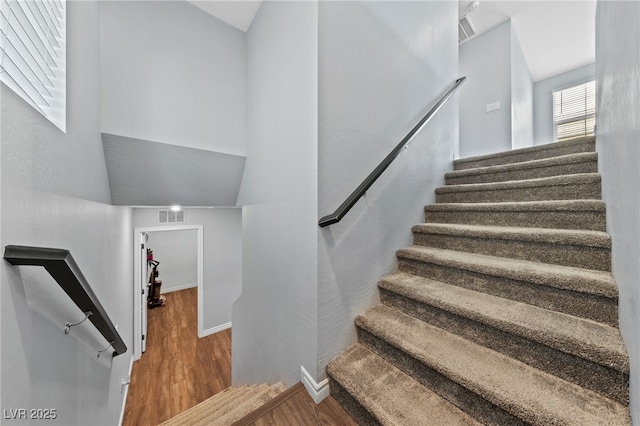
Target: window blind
{"points": [[574, 111], [33, 49]]}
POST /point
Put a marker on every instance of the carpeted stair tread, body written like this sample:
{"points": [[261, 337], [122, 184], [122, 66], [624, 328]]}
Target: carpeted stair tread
{"points": [[232, 395], [559, 214], [222, 408], [591, 340], [585, 144], [564, 277], [578, 186], [390, 395], [528, 183], [244, 407], [207, 407], [585, 162], [578, 248], [540, 235], [529, 394], [523, 206], [231, 404]]}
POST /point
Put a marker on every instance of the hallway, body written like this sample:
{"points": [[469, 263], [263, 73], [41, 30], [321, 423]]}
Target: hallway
{"points": [[178, 370]]}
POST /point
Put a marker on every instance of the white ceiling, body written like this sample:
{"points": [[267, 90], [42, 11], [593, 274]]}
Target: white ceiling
{"points": [[555, 36], [238, 13]]}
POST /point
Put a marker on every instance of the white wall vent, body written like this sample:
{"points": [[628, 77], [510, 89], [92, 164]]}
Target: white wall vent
{"points": [[170, 216], [466, 30]]}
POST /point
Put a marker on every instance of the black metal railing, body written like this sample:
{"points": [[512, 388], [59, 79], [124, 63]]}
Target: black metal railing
{"points": [[352, 199], [63, 268]]}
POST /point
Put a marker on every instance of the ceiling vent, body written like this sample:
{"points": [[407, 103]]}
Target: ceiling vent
{"points": [[466, 30], [170, 216]]}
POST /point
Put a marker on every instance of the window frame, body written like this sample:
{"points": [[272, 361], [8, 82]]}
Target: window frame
{"points": [[586, 116]]}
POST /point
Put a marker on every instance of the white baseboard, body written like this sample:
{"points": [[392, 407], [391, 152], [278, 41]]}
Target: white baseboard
{"points": [[318, 391], [126, 394], [178, 288], [215, 330]]}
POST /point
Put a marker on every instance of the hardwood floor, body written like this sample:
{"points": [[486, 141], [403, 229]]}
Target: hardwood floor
{"points": [[298, 409], [178, 371]]}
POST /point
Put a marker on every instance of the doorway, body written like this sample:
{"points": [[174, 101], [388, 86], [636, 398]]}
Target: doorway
{"points": [[141, 279]]}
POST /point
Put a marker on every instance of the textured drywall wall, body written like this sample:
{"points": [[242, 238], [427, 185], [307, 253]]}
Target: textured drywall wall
{"points": [[53, 189], [521, 97], [618, 145], [177, 252], [486, 62], [274, 321], [222, 269], [382, 66], [543, 99], [172, 74]]}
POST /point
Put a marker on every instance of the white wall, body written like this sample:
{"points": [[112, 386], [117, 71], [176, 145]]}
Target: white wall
{"points": [[382, 66], [496, 71], [55, 194], [543, 99], [521, 97], [618, 145], [177, 252], [172, 74], [486, 62], [222, 285], [274, 321]]}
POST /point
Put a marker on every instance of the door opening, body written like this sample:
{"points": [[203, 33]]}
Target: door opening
{"points": [[141, 279]]}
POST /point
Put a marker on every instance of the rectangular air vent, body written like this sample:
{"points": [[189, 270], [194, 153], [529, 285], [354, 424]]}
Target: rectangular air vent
{"points": [[170, 216], [466, 30]]}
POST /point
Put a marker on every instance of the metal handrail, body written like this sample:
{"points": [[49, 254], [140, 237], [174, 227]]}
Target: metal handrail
{"points": [[352, 199], [63, 268]]}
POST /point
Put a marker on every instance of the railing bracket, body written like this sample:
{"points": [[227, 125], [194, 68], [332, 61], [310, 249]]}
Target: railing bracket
{"points": [[68, 325]]}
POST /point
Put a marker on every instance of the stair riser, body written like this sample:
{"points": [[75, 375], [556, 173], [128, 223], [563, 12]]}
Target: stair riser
{"points": [[592, 221], [468, 401], [604, 380], [554, 151], [596, 308], [351, 406], [560, 254], [578, 191], [532, 173]]}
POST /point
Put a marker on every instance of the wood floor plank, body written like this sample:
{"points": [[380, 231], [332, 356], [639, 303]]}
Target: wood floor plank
{"points": [[300, 410], [178, 370]]}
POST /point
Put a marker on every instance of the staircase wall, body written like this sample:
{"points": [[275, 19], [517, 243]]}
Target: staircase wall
{"points": [[618, 145], [496, 71], [55, 193], [381, 67], [274, 320], [173, 74]]}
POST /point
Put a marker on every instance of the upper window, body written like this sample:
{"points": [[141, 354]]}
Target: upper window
{"points": [[574, 111], [33, 54]]}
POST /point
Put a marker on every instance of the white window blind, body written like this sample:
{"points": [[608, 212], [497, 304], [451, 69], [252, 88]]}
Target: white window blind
{"points": [[33, 49], [574, 111]]}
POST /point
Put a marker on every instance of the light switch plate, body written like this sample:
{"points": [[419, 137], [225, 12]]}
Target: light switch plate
{"points": [[494, 106]]}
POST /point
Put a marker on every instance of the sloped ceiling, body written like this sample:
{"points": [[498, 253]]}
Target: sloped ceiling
{"points": [[238, 13], [555, 36], [146, 173]]}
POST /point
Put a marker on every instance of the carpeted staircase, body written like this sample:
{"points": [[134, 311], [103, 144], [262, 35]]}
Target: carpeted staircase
{"points": [[228, 406], [504, 311]]}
